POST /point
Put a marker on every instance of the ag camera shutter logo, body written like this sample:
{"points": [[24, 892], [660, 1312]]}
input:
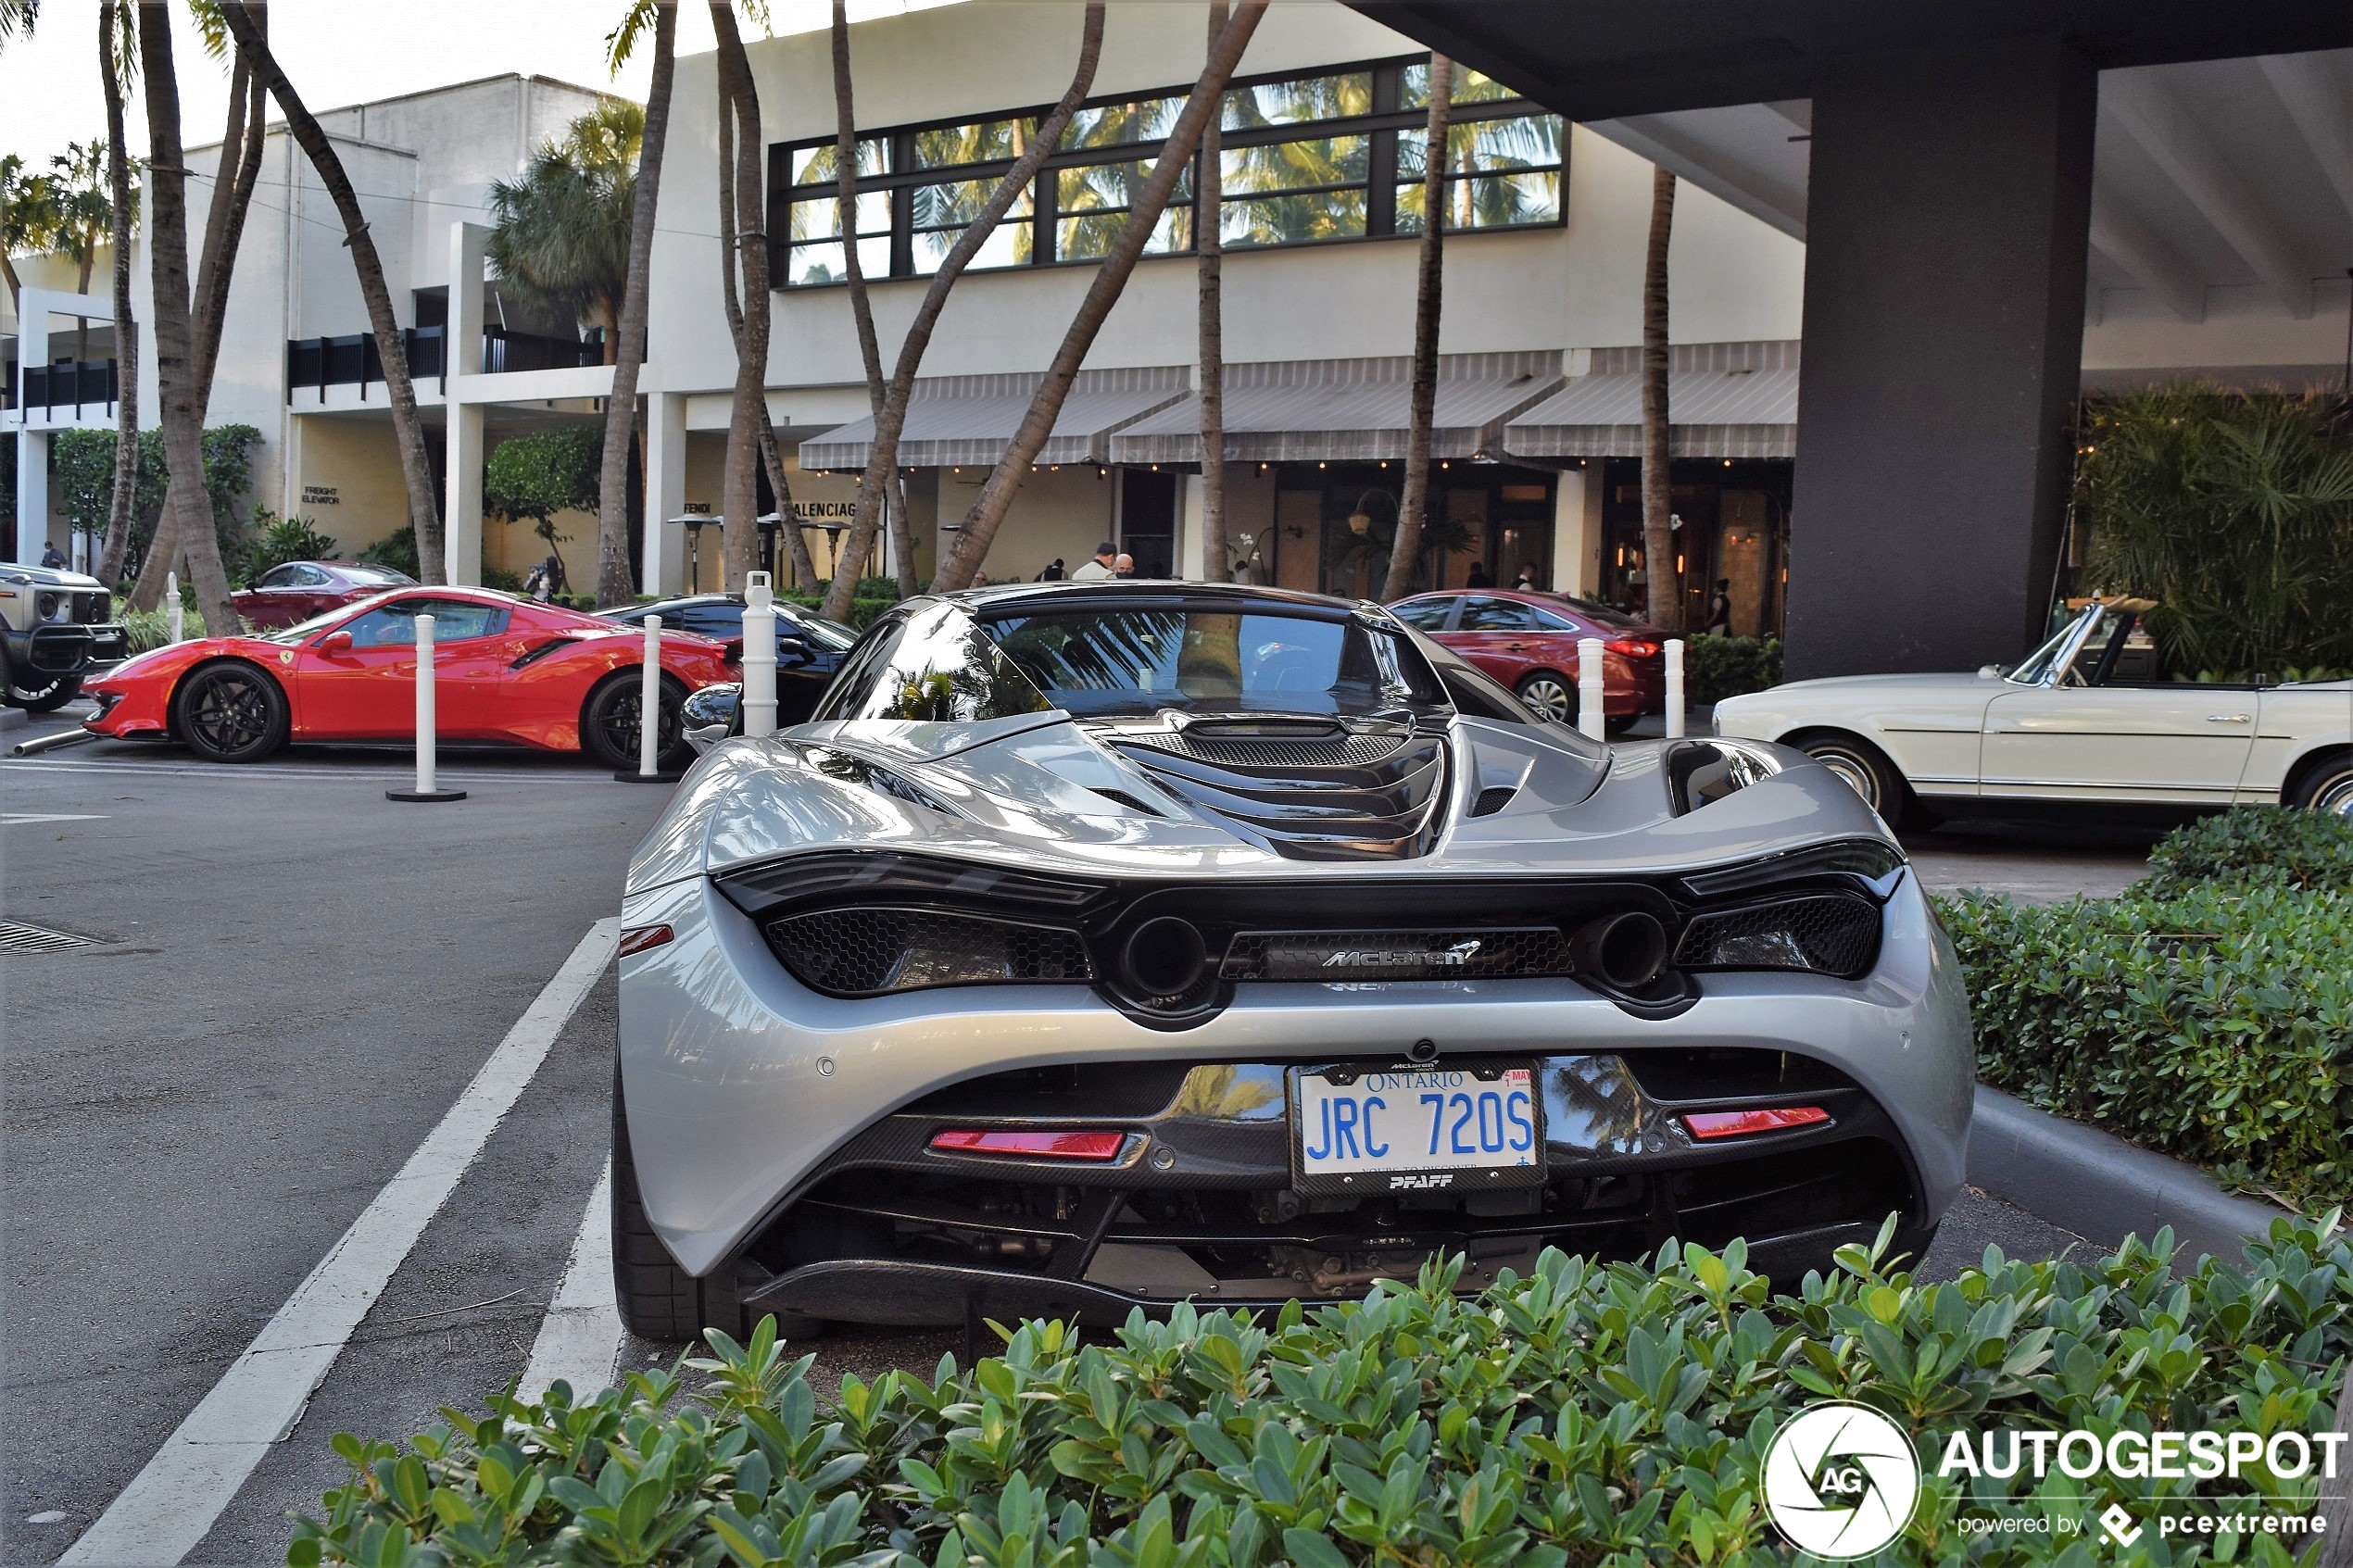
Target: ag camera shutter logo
{"points": [[1841, 1481]]}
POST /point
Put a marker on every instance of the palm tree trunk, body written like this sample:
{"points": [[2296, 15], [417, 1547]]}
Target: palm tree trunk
{"points": [[424, 513], [1429, 299], [1208, 244], [235, 173], [613, 583], [180, 409], [89, 258], [882, 457], [126, 330], [1664, 584], [996, 498], [739, 496], [861, 310]]}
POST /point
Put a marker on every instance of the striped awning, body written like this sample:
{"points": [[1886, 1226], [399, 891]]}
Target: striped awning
{"points": [[1723, 400], [1345, 410], [954, 421]]}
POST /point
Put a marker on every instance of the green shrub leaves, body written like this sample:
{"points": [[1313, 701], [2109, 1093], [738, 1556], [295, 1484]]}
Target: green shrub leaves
{"points": [[1586, 1415], [2312, 850]]}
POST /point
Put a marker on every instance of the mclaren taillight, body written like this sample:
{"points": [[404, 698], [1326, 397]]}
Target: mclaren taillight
{"points": [[866, 952], [645, 938], [1827, 934], [1030, 1145], [1709, 1124]]}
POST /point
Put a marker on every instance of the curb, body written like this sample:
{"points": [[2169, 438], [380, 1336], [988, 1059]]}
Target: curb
{"points": [[14, 719], [2104, 1188]]}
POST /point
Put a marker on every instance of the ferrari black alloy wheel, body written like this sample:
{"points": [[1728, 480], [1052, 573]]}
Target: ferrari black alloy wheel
{"points": [[609, 723], [230, 712]]}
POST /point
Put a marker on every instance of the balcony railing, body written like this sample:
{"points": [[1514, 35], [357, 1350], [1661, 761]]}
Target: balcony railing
{"points": [[70, 383], [318, 363]]}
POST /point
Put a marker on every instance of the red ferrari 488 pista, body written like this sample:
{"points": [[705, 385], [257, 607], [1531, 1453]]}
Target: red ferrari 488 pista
{"points": [[505, 670]]}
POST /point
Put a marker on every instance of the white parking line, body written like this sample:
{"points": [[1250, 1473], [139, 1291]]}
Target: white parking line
{"points": [[14, 819], [580, 1339], [170, 1505]]}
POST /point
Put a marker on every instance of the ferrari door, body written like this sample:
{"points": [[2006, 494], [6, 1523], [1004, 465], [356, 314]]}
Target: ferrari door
{"points": [[358, 681]]}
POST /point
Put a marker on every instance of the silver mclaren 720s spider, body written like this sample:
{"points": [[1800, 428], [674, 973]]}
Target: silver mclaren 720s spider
{"points": [[1116, 944]]}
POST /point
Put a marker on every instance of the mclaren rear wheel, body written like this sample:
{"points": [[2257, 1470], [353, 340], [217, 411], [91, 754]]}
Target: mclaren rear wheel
{"points": [[1548, 694], [609, 721], [1865, 769], [2326, 787], [230, 712], [657, 1298]]}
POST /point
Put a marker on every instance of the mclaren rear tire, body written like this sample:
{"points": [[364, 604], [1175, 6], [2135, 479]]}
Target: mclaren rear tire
{"points": [[230, 712], [657, 1298]]}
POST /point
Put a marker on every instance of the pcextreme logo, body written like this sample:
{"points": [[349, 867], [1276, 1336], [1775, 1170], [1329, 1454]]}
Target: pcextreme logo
{"points": [[1841, 1481]]}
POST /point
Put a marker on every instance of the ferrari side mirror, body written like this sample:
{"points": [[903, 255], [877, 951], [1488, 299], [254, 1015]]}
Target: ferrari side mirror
{"points": [[336, 641]]}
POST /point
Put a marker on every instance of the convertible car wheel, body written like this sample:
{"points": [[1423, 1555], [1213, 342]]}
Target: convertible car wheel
{"points": [[1550, 697], [2328, 787], [1108, 946], [1866, 770], [230, 712], [609, 723]]}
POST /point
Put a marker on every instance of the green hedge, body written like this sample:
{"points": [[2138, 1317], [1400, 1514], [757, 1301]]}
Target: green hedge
{"points": [[2255, 844], [1717, 667], [863, 610], [2213, 1022], [1592, 1415]]}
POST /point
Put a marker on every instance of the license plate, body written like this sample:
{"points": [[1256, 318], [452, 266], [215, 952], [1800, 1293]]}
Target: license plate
{"points": [[1416, 1129]]}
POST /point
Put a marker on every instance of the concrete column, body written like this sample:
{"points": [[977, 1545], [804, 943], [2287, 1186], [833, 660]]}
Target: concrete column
{"points": [[665, 547], [32, 495], [461, 508], [1576, 531], [1192, 563], [462, 352], [1946, 230]]}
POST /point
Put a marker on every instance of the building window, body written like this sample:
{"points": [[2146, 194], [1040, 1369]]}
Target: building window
{"points": [[1310, 159]]}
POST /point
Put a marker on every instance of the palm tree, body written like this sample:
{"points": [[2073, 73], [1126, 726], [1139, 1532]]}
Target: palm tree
{"points": [[881, 457], [115, 51], [996, 498], [1209, 247], [1422, 400], [424, 513], [1664, 588], [176, 356], [235, 176], [560, 236], [743, 246], [28, 220], [862, 312], [613, 583], [85, 216]]}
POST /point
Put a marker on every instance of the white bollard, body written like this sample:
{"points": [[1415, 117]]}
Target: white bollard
{"points": [[649, 704], [174, 618], [428, 788], [1591, 688], [760, 656], [1674, 688]]}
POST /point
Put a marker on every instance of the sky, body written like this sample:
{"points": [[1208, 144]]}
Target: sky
{"points": [[338, 51]]}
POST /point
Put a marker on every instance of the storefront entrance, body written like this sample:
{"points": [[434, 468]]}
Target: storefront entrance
{"points": [[1335, 524]]}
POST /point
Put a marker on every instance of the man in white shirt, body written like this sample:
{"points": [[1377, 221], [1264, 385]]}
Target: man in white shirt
{"points": [[1099, 569]]}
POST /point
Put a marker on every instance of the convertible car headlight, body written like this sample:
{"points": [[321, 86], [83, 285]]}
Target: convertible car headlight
{"points": [[1828, 933], [871, 952]]}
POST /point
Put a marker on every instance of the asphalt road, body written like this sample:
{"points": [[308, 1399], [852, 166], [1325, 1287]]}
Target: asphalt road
{"points": [[292, 982]]}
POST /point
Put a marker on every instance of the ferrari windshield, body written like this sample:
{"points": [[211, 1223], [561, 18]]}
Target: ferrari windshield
{"points": [[1103, 660]]}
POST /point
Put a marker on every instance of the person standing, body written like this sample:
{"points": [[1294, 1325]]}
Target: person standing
{"points": [[1054, 573], [1095, 570], [1123, 565], [1526, 582], [1719, 609], [1479, 576], [53, 558]]}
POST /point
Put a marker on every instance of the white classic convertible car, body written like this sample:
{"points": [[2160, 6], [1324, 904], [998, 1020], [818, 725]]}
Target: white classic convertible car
{"points": [[2092, 715]]}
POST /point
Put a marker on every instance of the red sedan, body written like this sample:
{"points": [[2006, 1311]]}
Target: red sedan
{"points": [[505, 670], [294, 591], [1528, 642]]}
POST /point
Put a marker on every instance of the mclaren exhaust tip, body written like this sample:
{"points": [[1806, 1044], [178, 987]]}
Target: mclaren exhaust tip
{"points": [[1625, 951]]}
